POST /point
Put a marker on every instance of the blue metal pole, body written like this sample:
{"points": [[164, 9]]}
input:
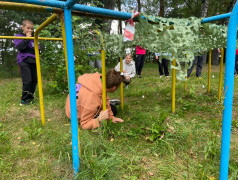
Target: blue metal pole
{"points": [[70, 3], [102, 11], [228, 89], [58, 4], [215, 18], [78, 7], [72, 90]]}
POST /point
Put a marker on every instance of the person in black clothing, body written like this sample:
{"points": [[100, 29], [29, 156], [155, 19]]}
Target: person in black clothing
{"points": [[163, 65], [27, 62], [199, 60]]}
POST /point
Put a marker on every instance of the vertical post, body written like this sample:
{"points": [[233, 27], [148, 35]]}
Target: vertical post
{"points": [[121, 70], [173, 85], [64, 44], [104, 93], [72, 90], [209, 71], [37, 54], [228, 88], [221, 73]]}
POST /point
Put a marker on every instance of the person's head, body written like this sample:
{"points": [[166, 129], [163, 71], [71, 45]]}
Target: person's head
{"points": [[128, 58], [27, 26], [113, 80]]}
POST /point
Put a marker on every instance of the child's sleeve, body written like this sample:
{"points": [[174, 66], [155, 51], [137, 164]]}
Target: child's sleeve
{"points": [[21, 44], [110, 113], [87, 121]]}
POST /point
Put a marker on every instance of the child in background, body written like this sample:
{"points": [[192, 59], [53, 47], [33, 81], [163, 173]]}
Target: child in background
{"points": [[129, 70], [27, 62], [89, 99]]}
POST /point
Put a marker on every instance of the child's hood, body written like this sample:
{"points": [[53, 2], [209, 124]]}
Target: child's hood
{"points": [[130, 64], [91, 82]]}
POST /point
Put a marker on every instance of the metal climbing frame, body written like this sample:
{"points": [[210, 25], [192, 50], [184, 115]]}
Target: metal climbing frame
{"points": [[229, 71]]}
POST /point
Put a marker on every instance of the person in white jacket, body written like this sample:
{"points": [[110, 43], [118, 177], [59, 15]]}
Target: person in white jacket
{"points": [[129, 69]]}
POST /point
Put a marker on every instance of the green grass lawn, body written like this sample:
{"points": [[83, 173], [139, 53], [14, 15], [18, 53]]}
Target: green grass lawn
{"points": [[152, 143]]}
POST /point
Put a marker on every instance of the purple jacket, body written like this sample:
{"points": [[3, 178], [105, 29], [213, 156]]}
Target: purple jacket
{"points": [[25, 48]]}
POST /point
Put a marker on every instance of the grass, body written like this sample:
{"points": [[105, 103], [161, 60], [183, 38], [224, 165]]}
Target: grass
{"points": [[151, 144]]}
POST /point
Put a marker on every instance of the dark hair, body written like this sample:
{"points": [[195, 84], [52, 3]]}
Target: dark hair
{"points": [[24, 22], [113, 78]]}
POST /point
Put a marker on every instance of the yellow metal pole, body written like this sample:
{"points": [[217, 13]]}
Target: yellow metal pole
{"points": [[173, 86], [39, 38], [104, 93], [221, 73], [209, 71], [121, 69], [185, 83], [186, 78], [29, 7], [64, 43], [47, 22]]}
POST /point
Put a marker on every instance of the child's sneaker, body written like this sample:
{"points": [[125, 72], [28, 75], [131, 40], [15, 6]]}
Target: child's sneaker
{"points": [[126, 87], [24, 103], [115, 102]]}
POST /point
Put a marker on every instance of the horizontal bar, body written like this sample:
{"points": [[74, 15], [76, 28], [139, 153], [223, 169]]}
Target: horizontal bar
{"points": [[28, 7], [78, 10], [215, 18], [22, 37], [78, 7], [58, 4], [101, 11]]}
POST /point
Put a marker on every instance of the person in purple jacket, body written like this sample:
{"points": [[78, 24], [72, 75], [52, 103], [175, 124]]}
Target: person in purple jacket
{"points": [[27, 62]]}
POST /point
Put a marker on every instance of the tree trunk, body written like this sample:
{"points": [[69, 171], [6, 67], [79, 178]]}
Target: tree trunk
{"points": [[229, 9], [119, 22], [161, 5], [204, 8], [139, 6], [109, 4]]}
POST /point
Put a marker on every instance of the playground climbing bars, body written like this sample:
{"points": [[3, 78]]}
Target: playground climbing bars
{"points": [[229, 72]]}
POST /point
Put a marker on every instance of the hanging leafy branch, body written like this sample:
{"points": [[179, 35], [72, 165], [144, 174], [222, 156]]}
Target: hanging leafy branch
{"points": [[183, 38]]}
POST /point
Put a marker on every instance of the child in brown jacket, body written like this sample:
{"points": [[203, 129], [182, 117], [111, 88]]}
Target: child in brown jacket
{"points": [[89, 99]]}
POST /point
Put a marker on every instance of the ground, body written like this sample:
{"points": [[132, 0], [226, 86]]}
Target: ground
{"points": [[152, 143]]}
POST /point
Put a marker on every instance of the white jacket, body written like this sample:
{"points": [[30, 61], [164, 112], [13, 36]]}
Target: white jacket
{"points": [[129, 68]]}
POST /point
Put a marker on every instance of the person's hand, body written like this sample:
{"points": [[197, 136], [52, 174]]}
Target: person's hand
{"points": [[124, 71], [28, 34], [103, 115], [117, 120], [127, 77], [157, 57]]}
